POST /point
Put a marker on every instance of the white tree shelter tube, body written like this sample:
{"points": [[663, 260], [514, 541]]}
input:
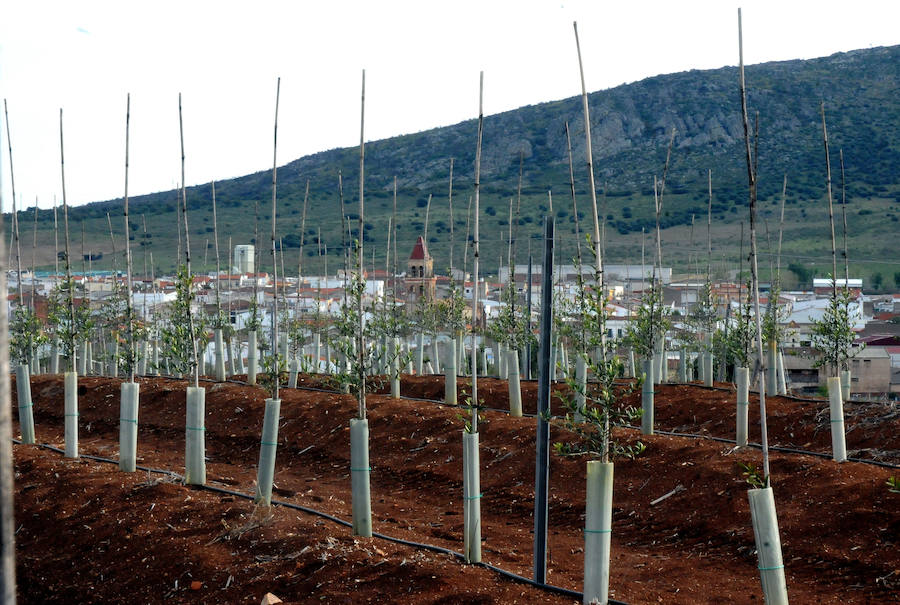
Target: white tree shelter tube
{"points": [[129, 394], [845, 384], [252, 357], [708, 369], [782, 382], [647, 397], [71, 412], [317, 353], [220, 355], [293, 370], [581, 388], [836, 407], [395, 367], [359, 477], [515, 389], [742, 376], [471, 498], [772, 369], [83, 359], [768, 546], [54, 356], [156, 357], [268, 446], [113, 363], [142, 358], [26, 408], [229, 356], [450, 374], [195, 437], [420, 353], [597, 531], [435, 352]]}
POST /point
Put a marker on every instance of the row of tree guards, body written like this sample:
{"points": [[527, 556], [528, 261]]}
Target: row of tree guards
{"points": [[574, 345]]}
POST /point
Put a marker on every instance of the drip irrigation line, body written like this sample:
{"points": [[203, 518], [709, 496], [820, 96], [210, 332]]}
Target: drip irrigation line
{"points": [[783, 449], [776, 448], [317, 513]]}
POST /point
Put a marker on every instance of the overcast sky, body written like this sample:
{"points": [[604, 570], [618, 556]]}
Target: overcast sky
{"points": [[421, 58]]}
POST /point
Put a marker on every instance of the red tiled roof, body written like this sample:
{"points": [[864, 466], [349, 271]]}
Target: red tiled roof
{"points": [[420, 250]]}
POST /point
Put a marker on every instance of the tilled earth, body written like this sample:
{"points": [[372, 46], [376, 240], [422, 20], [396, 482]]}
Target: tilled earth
{"points": [[87, 533]]}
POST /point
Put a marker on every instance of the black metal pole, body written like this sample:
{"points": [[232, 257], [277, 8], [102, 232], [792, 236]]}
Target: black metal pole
{"points": [[528, 302], [542, 460]]}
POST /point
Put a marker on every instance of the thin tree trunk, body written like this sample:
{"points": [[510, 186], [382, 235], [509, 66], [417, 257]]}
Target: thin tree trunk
{"points": [[69, 284], [129, 310], [450, 204], [187, 251], [475, 256], [754, 273], [275, 369], [360, 339]]}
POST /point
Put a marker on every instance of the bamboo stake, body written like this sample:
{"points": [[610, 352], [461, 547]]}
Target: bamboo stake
{"points": [[590, 166], [12, 182], [112, 238], [303, 231], [709, 228], [514, 232], [274, 257], [345, 231], [578, 258], [360, 340], [427, 212], [34, 253], [780, 233], [70, 284], [662, 189], [128, 308], [7, 472], [55, 246], [394, 230], [844, 214], [187, 249], [830, 206], [218, 266], [450, 203], [466, 246], [475, 256], [19, 288], [754, 269]]}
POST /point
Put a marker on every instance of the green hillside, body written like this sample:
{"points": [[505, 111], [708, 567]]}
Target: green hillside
{"points": [[630, 128]]}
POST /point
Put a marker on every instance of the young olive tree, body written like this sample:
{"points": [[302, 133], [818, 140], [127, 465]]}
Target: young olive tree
{"points": [[833, 335], [647, 331], [602, 408], [176, 331]]}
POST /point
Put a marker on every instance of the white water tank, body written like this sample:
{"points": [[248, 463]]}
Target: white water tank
{"points": [[243, 258]]}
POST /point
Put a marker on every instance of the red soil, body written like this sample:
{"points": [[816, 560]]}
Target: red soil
{"points": [[89, 533]]}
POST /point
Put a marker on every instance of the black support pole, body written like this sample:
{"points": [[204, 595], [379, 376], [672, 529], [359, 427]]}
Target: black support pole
{"points": [[528, 318], [542, 461]]}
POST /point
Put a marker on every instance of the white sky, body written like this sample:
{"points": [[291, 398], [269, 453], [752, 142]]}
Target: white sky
{"points": [[422, 60]]}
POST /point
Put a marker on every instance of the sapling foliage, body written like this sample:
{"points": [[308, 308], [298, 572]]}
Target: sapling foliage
{"points": [[833, 336], [26, 334], [176, 333], [602, 409], [652, 320]]}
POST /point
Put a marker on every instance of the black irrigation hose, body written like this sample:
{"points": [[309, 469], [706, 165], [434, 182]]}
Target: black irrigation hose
{"points": [[311, 511], [776, 448]]}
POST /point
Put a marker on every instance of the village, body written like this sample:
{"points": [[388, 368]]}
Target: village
{"points": [[314, 300]]}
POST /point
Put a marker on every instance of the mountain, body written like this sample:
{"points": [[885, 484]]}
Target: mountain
{"points": [[631, 126]]}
